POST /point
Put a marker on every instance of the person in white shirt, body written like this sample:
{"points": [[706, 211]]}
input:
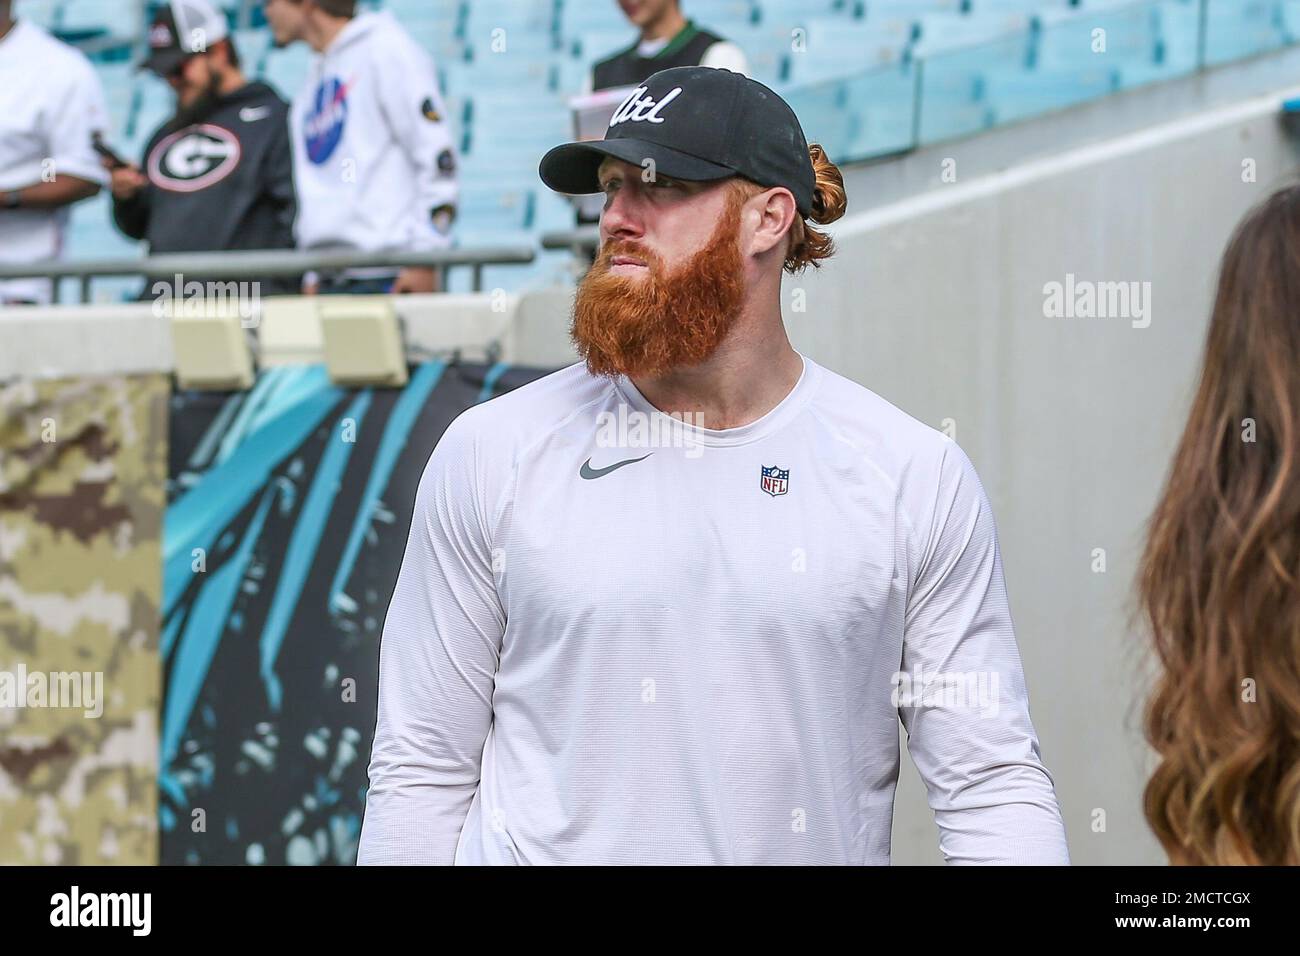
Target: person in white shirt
{"points": [[51, 108], [667, 39], [668, 605], [374, 162]]}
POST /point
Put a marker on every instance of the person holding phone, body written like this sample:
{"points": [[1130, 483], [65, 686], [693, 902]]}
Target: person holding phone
{"points": [[53, 105], [218, 175]]}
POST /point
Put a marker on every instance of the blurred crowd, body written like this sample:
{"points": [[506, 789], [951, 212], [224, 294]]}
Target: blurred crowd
{"points": [[363, 158]]}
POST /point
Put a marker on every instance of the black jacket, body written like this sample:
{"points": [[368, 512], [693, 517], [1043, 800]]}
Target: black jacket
{"points": [[222, 181]]}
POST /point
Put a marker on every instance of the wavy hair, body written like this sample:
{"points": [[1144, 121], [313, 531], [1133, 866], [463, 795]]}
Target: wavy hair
{"points": [[1218, 580]]}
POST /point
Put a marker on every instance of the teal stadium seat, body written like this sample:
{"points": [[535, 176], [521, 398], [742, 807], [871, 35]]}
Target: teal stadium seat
{"points": [[287, 69], [44, 13], [1236, 29], [867, 77], [253, 47], [836, 49], [98, 17]]}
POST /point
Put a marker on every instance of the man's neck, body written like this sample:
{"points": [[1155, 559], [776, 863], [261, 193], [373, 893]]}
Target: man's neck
{"points": [[232, 80], [323, 31], [6, 24], [749, 375], [666, 27]]}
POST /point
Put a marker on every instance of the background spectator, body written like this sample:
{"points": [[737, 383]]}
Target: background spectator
{"points": [[373, 155], [667, 39], [52, 106], [218, 175]]}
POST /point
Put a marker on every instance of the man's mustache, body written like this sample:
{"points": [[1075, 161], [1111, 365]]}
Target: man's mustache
{"points": [[613, 250]]}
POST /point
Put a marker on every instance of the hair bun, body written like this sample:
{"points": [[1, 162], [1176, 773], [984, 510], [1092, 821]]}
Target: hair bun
{"points": [[829, 199]]}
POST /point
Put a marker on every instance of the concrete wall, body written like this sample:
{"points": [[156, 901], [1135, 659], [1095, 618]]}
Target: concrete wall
{"points": [[937, 303]]}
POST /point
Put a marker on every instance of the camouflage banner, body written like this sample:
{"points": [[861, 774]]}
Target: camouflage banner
{"points": [[289, 507], [82, 477]]}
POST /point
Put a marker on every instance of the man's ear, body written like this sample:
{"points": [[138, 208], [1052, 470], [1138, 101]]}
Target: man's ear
{"points": [[776, 213]]}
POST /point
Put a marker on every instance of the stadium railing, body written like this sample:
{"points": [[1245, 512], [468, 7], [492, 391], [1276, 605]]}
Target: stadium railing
{"points": [[265, 264]]}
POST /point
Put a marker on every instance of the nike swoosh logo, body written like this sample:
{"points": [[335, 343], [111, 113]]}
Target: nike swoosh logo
{"points": [[251, 114], [586, 471]]}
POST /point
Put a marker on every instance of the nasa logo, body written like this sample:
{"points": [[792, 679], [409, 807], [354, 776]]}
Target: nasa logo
{"points": [[193, 158], [323, 126]]}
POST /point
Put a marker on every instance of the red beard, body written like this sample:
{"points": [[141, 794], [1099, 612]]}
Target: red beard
{"points": [[650, 325]]}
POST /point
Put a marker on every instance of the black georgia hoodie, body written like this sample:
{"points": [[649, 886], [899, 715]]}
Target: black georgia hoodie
{"points": [[223, 180]]}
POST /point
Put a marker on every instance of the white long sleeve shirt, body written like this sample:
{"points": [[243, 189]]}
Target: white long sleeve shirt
{"points": [[680, 645], [374, 163]]}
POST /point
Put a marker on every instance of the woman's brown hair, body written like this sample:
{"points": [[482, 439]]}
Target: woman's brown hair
{"points": [[1220, 577]]}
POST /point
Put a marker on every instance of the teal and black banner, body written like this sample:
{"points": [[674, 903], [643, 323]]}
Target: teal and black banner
{"points": [[288, 511]]}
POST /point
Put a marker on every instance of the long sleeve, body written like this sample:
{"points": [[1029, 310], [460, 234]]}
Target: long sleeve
{"points": [[962, 696], [438, 659], [277, 186], [131, 216], [415, 111]]}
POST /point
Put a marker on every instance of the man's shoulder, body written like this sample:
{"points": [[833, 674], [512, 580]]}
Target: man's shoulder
{"points": [[864, 416], [264, 94], [619, 54], [525, 415], [61, 60], [918, 460], [709, 36], [385, 36]]}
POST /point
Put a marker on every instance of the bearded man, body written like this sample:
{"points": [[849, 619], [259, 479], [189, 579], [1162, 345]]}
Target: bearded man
{"points": [[697, 652], [218, 175]]}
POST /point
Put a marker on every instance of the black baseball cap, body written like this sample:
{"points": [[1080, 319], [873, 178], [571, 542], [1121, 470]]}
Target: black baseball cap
{"points": [[696, 123], [181, 29]]}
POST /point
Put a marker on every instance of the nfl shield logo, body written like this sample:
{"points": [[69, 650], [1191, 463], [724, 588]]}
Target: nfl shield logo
{"points": [[775, 481]]}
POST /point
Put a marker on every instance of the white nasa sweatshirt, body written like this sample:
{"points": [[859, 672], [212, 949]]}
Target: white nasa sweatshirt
{"points": [[618, 638], [374, 161]]}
